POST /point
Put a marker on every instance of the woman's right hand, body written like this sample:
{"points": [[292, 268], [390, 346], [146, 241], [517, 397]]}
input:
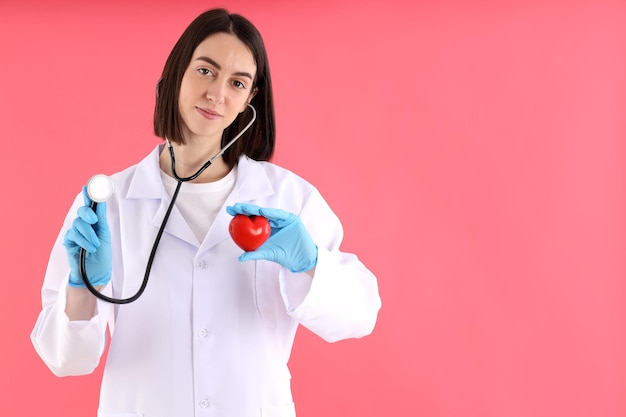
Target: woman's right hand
{"points": [[90, 231]]}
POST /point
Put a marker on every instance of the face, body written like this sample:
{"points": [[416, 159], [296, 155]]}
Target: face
{"points": [[216, 87]]}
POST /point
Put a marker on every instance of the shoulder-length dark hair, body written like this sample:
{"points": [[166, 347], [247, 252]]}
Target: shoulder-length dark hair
{"points": [[258, 142]]}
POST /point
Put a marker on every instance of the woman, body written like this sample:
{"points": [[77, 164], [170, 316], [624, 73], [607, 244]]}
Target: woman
{"points": [[213, 331]]}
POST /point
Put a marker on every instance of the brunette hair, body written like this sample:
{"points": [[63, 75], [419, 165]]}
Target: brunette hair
{"points": [[258, 142]]}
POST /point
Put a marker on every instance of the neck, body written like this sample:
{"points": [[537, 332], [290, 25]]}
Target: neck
{"points": [[189, 159]]}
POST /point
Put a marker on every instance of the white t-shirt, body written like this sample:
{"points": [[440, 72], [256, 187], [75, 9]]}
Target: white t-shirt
{"points": [[199, 203]]}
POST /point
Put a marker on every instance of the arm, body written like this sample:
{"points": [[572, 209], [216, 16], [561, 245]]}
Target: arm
{"points": [[80, 304], [341, 300], [328, 291], [68, 347]]}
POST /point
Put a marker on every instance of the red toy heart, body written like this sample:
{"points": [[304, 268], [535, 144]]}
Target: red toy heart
{"points": [[249, 232]]}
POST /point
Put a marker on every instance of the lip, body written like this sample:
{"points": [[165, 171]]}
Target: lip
{"points": [[208, 113]]}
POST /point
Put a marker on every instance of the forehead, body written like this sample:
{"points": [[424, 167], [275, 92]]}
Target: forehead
{"points": [[230, 53]]}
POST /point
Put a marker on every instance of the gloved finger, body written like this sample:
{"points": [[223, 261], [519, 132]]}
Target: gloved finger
{"points": [[86, 198], [86, 230], [256, 255], [243, 208], [101, 208], [246, 257], [231, 210], [86, 214], [277, 217], [74, 238]]}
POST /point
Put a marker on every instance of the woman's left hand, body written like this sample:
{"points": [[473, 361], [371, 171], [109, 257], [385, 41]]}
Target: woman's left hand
{"points": [[289, 244]]}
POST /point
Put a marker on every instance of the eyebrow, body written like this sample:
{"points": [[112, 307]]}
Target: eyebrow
{"points": [[219, 67]]}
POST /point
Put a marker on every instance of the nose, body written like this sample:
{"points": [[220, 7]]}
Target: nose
{"points": [[215, 92]]}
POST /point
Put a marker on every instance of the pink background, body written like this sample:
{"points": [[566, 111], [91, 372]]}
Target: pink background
{"points": [[475, 152]]}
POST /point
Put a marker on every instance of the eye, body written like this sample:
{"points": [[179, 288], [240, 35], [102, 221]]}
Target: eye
{"points": [[239, 84], [205, 71]]}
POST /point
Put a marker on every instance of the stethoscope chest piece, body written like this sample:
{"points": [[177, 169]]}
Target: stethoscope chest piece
{"points": [[100, 188]]}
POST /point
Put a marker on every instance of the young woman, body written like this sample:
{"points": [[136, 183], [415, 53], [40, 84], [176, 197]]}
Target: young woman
{"points": [[212, 333]]}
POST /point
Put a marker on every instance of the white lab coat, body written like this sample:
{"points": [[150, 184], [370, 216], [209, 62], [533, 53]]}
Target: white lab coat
{"points": [[211, 336]]}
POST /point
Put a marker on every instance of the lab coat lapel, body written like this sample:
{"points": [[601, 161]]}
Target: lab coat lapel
{"points": [[146, 184], [176, 224], [252, 183]]}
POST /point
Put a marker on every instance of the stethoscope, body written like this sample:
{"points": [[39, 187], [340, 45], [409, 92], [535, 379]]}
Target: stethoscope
{"points": [[100, 188]]}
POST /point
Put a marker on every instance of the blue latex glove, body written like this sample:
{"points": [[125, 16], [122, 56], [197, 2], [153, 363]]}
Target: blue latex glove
{"points": [[289, 244], [91, 232]]}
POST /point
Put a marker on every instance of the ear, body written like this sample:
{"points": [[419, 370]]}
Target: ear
{"points": [[250, 97]]}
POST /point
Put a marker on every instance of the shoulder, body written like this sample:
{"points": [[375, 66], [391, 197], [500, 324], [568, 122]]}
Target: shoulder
{"points": [[141, 180], [272, 185], [276, 173], [149, 163]]}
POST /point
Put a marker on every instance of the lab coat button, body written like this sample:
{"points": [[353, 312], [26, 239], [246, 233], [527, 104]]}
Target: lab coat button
{"points": [[205, 403], [203, 333], [202, 265]]}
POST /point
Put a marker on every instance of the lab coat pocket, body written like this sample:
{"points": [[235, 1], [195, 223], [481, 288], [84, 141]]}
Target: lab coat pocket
{"points": [[288, 410]]}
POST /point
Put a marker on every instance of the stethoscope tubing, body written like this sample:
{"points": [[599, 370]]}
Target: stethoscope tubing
{"points": [[144, 283]]}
